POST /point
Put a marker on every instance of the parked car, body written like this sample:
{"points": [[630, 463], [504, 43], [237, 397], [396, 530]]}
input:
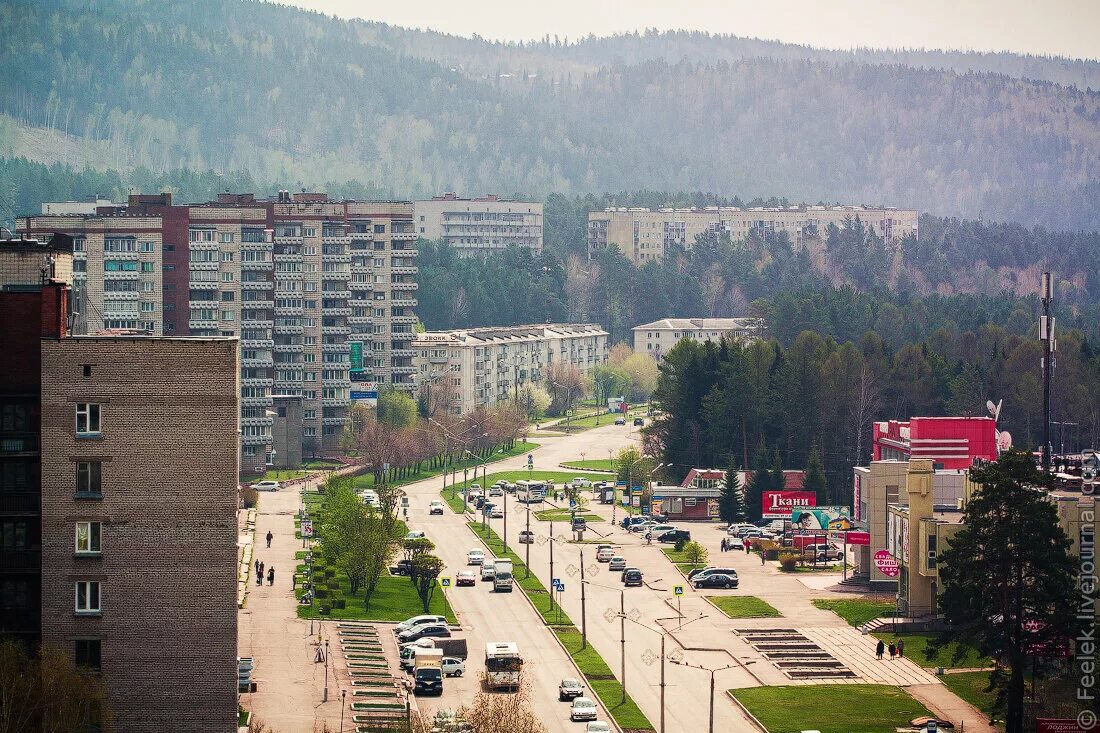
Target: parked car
{"points": [[643, 526], [604, 553], [435, 507], [675, 535], [579, 524], [475, 557], [403, 567], [715, 580], [639, 422], [418, 620], [579, 482], [570, 689], [416, 534], [735, 529], [622, 576], [425, 631], [659, 529], [617, 562], [597, 726], [628, 522], [465, 577], [453, 667], [702, 572], [632, 577], [620, 421], [488, 569], [823, 552], [267, 486], [583, 709], [526, 537]]}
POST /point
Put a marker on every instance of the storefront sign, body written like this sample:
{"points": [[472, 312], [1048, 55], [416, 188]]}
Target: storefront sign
{"points": [[886, 563], [780, 504], [823, 517], [1059, 725]]}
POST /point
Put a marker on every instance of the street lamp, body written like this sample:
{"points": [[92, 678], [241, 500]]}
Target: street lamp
{"points": [[663, 633], [712, 671], [622, 633]]}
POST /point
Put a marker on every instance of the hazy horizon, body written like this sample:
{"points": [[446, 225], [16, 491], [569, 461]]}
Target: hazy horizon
{"points": [[1058, 28]]}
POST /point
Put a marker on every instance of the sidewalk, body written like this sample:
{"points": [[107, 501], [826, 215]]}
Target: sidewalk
{"points": [[289, 685], [949, 706]]}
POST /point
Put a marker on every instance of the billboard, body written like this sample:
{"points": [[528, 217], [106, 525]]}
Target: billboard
{"points": [[366, 394], [822, 517], [780, 504], [356, 355]]}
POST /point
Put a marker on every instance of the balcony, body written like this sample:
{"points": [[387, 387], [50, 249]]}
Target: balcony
{"points": [[201, 246], [403, 353], [287, 386], [286, 257], [337, 311], [256, 246], [334, 402], [343, 382], [333, 420], [257, 266], [257, 285], [403, 369], [202, 325], [359, 286], [336, 258], [337, 348], [400, 301], [289, 310], [403, 335], [288, 329], [405, 252], [404, 270], [289, 348], [21, 621], [265, 304], [403, 286], [20, 502], [125, 275], [360, 320], [335, 330], [257, 401], [203, 266], [403, 320], [257, 382], [256, 439], [261, 422], [264, 323], [257, 343], [258, 363], [337, 294]]}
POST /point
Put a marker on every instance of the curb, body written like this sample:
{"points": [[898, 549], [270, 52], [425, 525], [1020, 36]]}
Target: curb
{"points": [[745, 710]]}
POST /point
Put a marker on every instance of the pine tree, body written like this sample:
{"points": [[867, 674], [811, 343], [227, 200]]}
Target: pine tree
{"points": [[1008, 578], [778, 480], [731, 503], [815, 477], [760, 482]]}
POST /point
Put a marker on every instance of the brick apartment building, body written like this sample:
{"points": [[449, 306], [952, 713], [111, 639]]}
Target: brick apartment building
{"points": [[118, 545], [321, 294]]}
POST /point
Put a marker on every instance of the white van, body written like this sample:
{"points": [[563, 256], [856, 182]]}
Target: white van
{"points": [[488, 569]]}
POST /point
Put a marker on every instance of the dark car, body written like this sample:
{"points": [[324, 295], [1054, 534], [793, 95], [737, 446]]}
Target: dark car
{"points": [[622, 577], [620, 421], [675, 535], [403, 567], [632, 576], [639, 421], [711, 571], [428, 631], [715, 580]]}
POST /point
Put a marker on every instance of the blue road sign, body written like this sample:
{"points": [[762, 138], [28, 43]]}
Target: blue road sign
{"points": [[561, 587]]}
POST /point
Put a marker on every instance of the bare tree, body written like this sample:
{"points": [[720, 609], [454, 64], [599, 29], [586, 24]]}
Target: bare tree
{"points": [[503, 713], [566, 385], [867, 404], [47, 692]]}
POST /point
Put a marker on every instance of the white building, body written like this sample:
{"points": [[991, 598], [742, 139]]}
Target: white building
{"points": [[481, 225], [658, 337], [486, 366]]}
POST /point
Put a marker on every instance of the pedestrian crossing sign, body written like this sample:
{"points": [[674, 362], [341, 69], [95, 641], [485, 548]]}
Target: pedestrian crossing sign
{"points": [[677, 590], [445, 582]]}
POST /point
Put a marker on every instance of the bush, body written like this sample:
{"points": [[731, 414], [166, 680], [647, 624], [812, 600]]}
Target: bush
{"points": [[680, 544], [320, 592], [325, 610], [330, 572], [249, 496], [789, 561], [339, 603]]}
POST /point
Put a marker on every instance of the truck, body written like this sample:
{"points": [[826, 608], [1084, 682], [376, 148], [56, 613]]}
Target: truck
{"points": [[449, 647], [502, 576], [428, 672]]}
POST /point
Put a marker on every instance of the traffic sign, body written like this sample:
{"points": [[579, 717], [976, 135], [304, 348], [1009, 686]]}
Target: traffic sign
{"points": [[561, 587], [555, 582], [445, 582], [530, 460], [307, 527], [677, 590], [572, 503]]}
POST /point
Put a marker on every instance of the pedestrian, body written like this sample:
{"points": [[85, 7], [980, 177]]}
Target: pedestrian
{"points": [[259, 578], [257, 564], [901, 647], [261, 568], [269, 536], [748, 546], [893, 650], [761, 555], [879, 649], [722, 545], [271, 576]]}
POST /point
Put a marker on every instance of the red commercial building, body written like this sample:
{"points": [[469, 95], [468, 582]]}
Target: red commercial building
{"points": [[949, 442]]}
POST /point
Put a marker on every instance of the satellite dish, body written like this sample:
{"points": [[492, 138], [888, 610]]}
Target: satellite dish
{"points": [[994, 409], [1004, 441]]}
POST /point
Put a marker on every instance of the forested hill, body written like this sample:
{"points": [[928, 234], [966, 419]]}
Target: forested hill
{"points": [[303, 99]]}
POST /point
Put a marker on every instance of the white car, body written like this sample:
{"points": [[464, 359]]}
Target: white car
{"points": [[643, 527], [496, 491], [583, 709], [488, 569], [419, 620], [453, 667], [604, 554], [597, 726], [267, 486], [475, 557], [526, 537], [581, 483], [617, 563], [496, 513], [436, 507], [416, 534]]}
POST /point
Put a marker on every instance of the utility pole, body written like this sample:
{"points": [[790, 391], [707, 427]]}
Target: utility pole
{"points": [[527, 551], [584, 622], [504, 538], [1050, 345], [551, 543], [662, 682], [622, 643]]}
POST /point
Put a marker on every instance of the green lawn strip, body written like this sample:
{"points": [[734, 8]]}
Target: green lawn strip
{"points": [[558, 477], [367, 479], [744, 607], [601, 680], [596, 464], [395, 599], [562, 515], [971, 687], [534, 588], [680, 560], [830, 708], [596, 419], [856, 611], [917, 644]]}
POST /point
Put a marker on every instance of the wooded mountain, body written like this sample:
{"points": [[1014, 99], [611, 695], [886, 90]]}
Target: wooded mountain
{"points": [[303, 99]]}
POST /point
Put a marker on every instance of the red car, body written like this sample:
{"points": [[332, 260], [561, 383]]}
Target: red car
{"points": [[465, 577]]}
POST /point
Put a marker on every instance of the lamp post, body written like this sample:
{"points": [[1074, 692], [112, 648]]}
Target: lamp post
{"points": [[528, 537], [344, 694], [663, 633], [710, 728], [325, 698], [622, 633]]}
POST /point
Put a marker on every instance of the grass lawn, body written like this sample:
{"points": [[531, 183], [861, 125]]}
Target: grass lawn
{"points": [[744, 607], [596, 464], [916, 644], [830, 708], [394, 600], [970, 686], [279, 475], [856, 611], [596, 420], [562, 515], [320, 465], [681, 558], [367, 479]]}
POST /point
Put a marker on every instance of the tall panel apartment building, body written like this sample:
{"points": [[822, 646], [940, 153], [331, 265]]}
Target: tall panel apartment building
{"points": [[321, 294], [643, 234], [480, 225]]}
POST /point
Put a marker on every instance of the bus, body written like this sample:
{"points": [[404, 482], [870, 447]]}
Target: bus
{"points": [[503, 665], [531, 492]]}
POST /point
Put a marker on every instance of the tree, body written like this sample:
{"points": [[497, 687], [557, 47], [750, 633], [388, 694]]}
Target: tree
{"points": [[416, 547], [566, 385], [535, 399], [608, 381], [396, 408], [815, 477], [731, 502], [642, 370], [47, 692], [695, 553], [1008, 579], [423, 573], [760, 482]]}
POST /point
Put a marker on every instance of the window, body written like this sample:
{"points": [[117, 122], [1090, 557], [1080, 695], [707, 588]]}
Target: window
{"points": [[87, 596], [227, 297], [147, 266], [88, 536], [227, 315], [146, 247], [88, 478], [227, 277], [227, 256], [120, 265], [87, 368], [147, 307], [379, 228], [309, 231], [87, 418], [89, 654], [225, 237]]}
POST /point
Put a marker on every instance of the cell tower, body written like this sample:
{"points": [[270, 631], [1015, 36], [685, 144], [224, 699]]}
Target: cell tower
{"points": [[1050, 345]]}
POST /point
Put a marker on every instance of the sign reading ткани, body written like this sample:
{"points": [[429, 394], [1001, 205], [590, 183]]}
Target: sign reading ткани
{"points": [[779, 504]]}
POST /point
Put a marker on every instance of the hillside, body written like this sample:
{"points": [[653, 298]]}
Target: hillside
{"points": [[303, 99]]}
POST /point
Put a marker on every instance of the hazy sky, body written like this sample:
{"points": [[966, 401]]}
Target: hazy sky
{"points": [[1059, 27]]}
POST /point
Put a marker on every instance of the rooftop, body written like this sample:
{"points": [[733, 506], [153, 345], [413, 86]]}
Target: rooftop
{"points": [[716, 324], [504, 334]]}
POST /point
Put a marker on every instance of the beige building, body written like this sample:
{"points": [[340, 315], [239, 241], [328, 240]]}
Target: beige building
{"points": [[26, 262], [643, 234], [473, 225], [118, 267], [659, 337], [482, 367]]}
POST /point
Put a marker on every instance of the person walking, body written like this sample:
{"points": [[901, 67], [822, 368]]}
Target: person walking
{"points": [[761, 555], [748, 546], [723, 544], [893, 650], [880, 648], [261, 568], [257, 564], [259, 578], [269, 536], [901, 647], [271, 576]]}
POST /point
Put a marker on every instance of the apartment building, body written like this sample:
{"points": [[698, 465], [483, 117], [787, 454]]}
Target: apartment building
{"points": [[643, 234], [304, 282], [118, 267], [482, 367], [118, 546], [658, 337], [480, 225]]}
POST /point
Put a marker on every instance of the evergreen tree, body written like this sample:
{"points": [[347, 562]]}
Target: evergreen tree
{"points": [[778, 480], [731, 503], [815, 477], [760, 482], [1008, 579]]}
